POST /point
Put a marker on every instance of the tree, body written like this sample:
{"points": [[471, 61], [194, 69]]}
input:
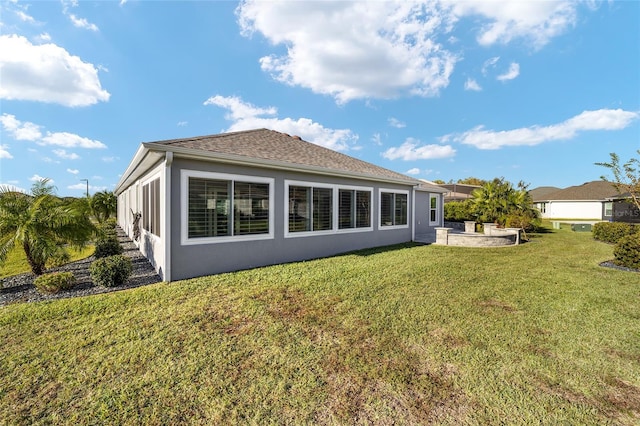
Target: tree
{"points": [[471, 181], [42, 224], [626, 177], [103, 205], [439, 182], [499, 202]]}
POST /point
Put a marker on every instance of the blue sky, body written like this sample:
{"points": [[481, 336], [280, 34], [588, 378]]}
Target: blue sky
{"points": [[534, 91]]}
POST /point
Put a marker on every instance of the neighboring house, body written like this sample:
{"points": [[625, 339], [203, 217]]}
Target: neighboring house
{"points": [[589, 201], [235, 201], [458, 191]]}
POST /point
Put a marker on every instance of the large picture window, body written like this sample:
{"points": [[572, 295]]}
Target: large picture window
{"points": [[220, 207], [326, 208], [151, 207], [393, 209]]}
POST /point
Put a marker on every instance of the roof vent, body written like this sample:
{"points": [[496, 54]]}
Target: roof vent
{"points": [[297, 137]]}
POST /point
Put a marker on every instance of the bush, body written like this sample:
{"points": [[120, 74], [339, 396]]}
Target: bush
{"points": [[62, 257], [612, 232], [107, 247], [627, 251], [107, 229], [458, 211], [111, 271], [524, 221], [54, 282]]}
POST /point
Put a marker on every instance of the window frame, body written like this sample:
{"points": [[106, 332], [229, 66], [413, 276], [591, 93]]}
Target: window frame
{"points": [[335, 228], [150, 199], [382, 227], [436, 209], [184, 206]]}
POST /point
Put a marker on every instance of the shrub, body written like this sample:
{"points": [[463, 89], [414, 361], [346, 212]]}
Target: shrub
{"points": [[458, 211], [521, 220], [111, 271], [107, 247], [107, 229], [62, 257], [627, 251], [612, 232], [54, 282]]}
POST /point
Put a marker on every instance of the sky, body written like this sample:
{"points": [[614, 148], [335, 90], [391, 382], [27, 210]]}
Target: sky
{"points": [[532, 91]]}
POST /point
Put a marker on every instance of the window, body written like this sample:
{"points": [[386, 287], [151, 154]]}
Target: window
{"points": [[608, 209], [393, 209], [316, 207], [433, 209], [222, 207], [354, 209], [310, 209], [151, 207]]}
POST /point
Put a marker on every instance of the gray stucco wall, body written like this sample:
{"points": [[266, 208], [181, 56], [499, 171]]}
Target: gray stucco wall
{"points": [[204, 259]]}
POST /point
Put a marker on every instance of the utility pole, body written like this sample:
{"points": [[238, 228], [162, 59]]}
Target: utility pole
{"points": [[86, 180]]}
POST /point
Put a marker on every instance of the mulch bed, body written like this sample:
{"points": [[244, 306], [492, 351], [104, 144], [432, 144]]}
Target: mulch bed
{"points": [[20, 288]]}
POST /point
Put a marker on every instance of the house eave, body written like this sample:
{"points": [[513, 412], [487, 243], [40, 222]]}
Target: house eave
{"points": [[143, 160], [187, 153]]}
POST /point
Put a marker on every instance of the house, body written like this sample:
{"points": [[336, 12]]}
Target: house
{"points": [[458, 191], [590, 201], [240, 200]]}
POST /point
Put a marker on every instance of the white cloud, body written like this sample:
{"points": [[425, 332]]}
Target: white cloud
{"points": [[514, 71], [66, 155], [70, 140], [414, 171], [412, 150], [182, 123], [354, 50], [245, 116], [489, 64], [394, 122], [377, 139], [110, 159], [25, 17], [82, 23], [47, 73], [43, 38], [4, 153], [536, 22], [21, 131], [471, 84], [83, 187], [603, 119], [50, 160], [36, 177], [73, 171]]}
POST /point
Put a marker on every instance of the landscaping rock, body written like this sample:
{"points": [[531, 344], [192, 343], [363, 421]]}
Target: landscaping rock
{"points": [[20, 288]]}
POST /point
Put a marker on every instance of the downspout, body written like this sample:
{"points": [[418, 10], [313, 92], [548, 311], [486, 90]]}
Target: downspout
{"points": [[413, 214], [167, 216]]}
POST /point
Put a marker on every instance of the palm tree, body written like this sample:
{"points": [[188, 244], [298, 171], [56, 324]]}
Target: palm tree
{"points": [[103, 204], [497, 201], [42, 224]]}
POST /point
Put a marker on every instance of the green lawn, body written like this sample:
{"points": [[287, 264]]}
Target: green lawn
{"points": [[534, 334], [16, 262]]}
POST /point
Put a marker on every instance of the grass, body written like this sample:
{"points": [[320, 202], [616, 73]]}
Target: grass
{"points": [[16, 262], [537, 333]]}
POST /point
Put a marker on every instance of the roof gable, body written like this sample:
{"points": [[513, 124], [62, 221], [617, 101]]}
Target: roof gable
{"points": [[270, 147]]}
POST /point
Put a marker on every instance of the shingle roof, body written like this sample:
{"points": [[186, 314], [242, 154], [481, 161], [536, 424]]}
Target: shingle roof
{"points": [[596, 190], [270, 146], [540, 193]]}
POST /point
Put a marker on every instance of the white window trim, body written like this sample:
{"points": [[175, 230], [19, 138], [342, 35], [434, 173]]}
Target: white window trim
{"points": [[184, 207], [389, 227], [147, 180], [335, 214], [437, 209]]}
